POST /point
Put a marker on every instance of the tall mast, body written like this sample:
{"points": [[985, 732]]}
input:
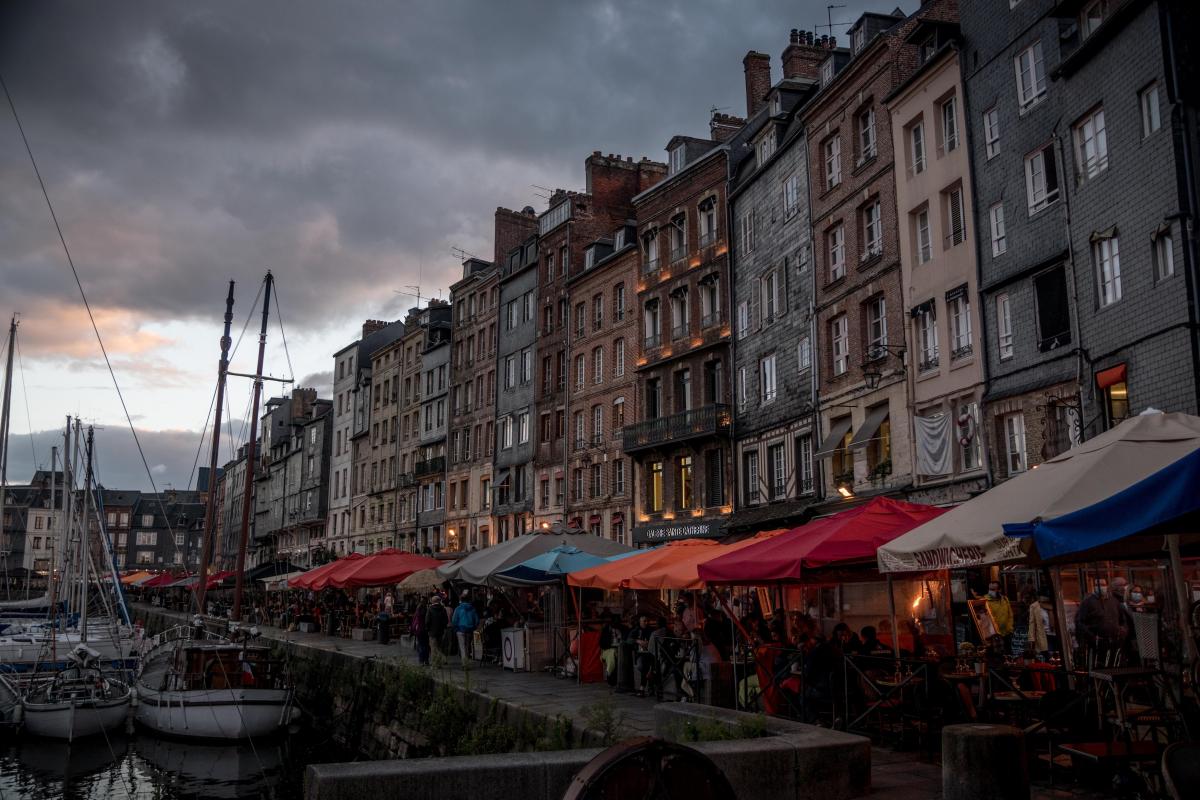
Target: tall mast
{"points": [[4, 414], [250, 448], [84, 546], [211, 500], [68, 511]]}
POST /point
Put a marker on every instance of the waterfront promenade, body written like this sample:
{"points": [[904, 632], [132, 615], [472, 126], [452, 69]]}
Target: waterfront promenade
{"points": [[895, 775]]}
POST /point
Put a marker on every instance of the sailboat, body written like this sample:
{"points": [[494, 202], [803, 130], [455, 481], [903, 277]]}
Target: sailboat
{"points": [[80, 699], [77, 701], [198, 684]]}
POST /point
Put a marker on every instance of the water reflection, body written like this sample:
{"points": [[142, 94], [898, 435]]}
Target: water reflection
{"points": [[125, 767]]}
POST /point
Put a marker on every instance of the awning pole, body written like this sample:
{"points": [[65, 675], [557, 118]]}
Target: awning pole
{"points": [[895, 631], [1181, 598]]}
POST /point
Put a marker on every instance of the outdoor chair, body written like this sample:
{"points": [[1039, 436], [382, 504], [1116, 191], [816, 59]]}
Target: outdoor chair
{"points": [[1181, 770]]}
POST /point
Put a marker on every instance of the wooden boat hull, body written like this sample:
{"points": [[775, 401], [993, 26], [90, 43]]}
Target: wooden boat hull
{"points": [[214, 713], [75, 719]]}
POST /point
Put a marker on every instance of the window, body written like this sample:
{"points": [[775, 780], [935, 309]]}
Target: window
{"points": [[1107, 259], [924, 239], [580, 324], [766, 147], [791, 196], [991, 132], [969, 444], [618, 477], [679, 314], [833, 162], [684, 498], [147, 538], [654, 488], [597, 312], [597, 487], [836, 239], [916, 141], [858, 38], [872, 231], [766, 379], [619, 302], [826, 71], [743, 316], [506, 433], [618, 414], [840, 336], [598, 365], [527, 366], [1091, 16], [147, 522], [999, 236], [804, 465], [710, 301], [1148, 100], [770, 296], [1031, 76], [1164, 256], [1004, 331], [580, 372], [927, 336], [750, 490], [956, 216], [708, 221], [619, 357], [950, 125], [879, 447], [804, 353], [1041, 179], [678, 237], [653, 325], [510, 371], [746, 232], [960, 324], [1091, 144], [1053, 310], [777, 462], [876, 328], [523, 427], [866, 135], [1013, 427], [678, 158], [597, 424], [1115, 396], [743, 389], [651, 255]]}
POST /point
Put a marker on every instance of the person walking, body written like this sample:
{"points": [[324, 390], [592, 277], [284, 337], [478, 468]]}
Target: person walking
{"points": [[464, 621], [436, 620], [421, 633]]}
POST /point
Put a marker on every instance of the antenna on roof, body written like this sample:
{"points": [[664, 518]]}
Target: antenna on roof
{"points": [[715, 109], [462, 255], [829, 18], [416, 292], [542, 191]]}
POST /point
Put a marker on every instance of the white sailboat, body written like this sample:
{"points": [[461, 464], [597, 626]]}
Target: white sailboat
{"points": [[200, 685], [78, 701]]}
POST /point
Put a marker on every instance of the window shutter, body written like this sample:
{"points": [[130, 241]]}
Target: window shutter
{"points": [[956, 216], [715, 478]]}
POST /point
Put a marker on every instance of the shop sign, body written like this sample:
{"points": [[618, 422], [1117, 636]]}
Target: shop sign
{"points": [[659, 533]]}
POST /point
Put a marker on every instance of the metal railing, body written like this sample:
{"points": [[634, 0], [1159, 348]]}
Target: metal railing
{"points": [[651, 266], [703, 421], [429, 466]]}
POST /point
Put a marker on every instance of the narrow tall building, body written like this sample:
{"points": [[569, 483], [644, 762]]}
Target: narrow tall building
{"points": [[680, 442], [934, 198], [430, 469], [773, 294]]}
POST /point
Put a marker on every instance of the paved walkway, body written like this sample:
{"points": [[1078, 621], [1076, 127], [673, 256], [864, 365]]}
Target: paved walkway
{"points": [[895, 775]]}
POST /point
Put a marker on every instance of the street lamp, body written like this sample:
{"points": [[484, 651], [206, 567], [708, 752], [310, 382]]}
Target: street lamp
{"points": [[872, 372]]}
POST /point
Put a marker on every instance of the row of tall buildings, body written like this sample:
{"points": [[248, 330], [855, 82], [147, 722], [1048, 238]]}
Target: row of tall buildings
{"points": [[919, 264]]}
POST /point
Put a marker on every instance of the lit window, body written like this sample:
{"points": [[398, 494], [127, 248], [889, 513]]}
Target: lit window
{"points": [[654, 495]]}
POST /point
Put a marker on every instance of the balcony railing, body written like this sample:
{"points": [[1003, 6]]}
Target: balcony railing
{"points": [[961, 352], [653, 340], [928, 363], [710, 320], [406, 480], [704, 421], [679, 332], [707, 239], [678, 253], [651, 266], [429, 466]]}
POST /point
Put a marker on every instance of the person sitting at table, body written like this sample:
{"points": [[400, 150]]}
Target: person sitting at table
{"points": [[870, 645], [612, 633], [1001, 612]]}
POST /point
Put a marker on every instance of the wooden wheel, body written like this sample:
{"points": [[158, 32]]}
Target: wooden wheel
{"points": [[647, 768]]}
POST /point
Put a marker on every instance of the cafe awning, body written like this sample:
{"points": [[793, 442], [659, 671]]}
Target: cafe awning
{"points": [[134, 576], [481, 566], [833, 441], [386, 567], [1157, 504], [849, 537], [973, 534], [549, 567], [621, 573], [307, 580], [870, 427], [681, 570]]}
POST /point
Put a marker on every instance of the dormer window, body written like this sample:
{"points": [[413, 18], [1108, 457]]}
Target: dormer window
{"points": [[857, 40], [678, 158], [618, 239], [589, 258], [776, 105], [826, 71], [766, 146], [926, 50], [1091, 17]]}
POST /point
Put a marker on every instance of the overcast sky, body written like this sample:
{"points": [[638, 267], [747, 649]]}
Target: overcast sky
{"points": [[347, 146]]}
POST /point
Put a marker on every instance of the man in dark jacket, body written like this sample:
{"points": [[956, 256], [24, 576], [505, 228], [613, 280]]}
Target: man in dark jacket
{"points": [[1103, 623], [436, 621]]}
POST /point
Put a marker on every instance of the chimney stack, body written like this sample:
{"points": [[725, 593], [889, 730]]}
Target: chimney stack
{"points": [[758, 80], [722, 127], [801, 58]]}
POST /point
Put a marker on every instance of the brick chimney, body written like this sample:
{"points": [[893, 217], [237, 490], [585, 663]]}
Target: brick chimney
{"points": [[758, 80], [512, 228], [722, 127], [372, 325], [803, 56]]}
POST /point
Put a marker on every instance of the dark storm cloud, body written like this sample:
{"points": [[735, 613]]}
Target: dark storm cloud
{"points": [[345, 145]]}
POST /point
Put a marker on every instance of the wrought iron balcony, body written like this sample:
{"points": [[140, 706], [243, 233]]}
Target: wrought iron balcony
{"points": [[704, 421], [653, 340], [679, 332], [708, 239], [406, 480], [651, 266], [429, 466]]}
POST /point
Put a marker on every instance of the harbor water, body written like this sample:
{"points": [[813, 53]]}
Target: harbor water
{"points": [[125, 766]]}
